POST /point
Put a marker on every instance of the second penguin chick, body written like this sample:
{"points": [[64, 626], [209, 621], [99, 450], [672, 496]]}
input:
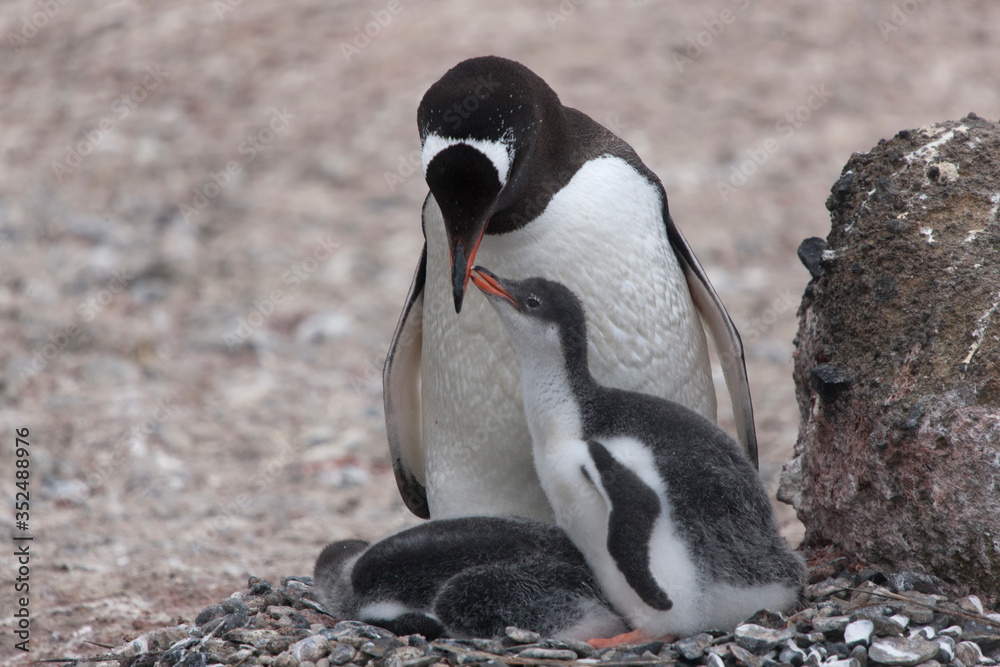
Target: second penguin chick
{"points": [[668, 511], [466, 577]]}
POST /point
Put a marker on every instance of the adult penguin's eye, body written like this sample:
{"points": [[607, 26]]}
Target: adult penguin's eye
{"points": [[532, 302]]}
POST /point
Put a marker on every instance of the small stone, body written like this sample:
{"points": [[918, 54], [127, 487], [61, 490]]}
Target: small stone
{"points": [[244, 654], [745, 656], [901, 651], [714, 661], [859, 632], [860, 653], [489, 645], [323, 662], [259, 639], [520, 636], [953, 631], [693, 647], [844, 662], [810, 253], [581, 648], [830, 625], [867, 593], [307, 663], [829, 381], [223, 617], [972, 604], [927, 632], [813, 659], [946, 648], [884, 625], [373, 649], [341, 654], [310, 649], [547, 654], [903, 620], [913, 581], [723, 650], [969, 652], [792, 655], [759, 640], [838, 648], [285, 659]]}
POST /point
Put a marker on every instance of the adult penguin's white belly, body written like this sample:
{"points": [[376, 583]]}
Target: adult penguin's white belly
{"points": [[604, 237]]}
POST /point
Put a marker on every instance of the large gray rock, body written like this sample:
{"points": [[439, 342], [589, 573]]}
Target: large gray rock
{"points": [[897, 361]]}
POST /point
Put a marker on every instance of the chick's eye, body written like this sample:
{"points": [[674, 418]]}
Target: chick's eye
{"points": [[532, 302]]}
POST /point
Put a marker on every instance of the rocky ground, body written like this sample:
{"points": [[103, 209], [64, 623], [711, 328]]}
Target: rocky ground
{"points": [[848, 620], [209, 220]]}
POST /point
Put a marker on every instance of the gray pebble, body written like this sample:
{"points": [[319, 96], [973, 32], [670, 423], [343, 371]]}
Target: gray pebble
{"points": [[953, 631], [310, 649], [521, 636], [488, 645], [744, 656], [969, 652], [972, 604], [693, 647], [859, 632], [843, 662], [902, 651], [791, 654], [901, 619], [946, 648], [323, 662], [581, 648], [548, 654], [759, 640], [715, 661], [285, 659], [341, 654], [860, 653]]}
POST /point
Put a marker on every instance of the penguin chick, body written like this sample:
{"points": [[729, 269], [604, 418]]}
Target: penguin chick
{"points": [[667, 510], [466, 577]]}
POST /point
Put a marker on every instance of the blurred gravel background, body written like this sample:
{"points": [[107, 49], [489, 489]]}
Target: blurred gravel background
{"points": [[209, 218]]}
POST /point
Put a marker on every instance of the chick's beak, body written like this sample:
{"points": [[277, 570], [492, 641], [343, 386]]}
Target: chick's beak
{"points": [[491, 285]]}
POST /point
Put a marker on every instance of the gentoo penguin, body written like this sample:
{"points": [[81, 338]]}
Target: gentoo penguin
{"points": [[664, 505], [466, 577], [527, 186]]}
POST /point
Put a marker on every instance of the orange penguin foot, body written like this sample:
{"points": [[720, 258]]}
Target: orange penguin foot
{"points": [[628, 639]]}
